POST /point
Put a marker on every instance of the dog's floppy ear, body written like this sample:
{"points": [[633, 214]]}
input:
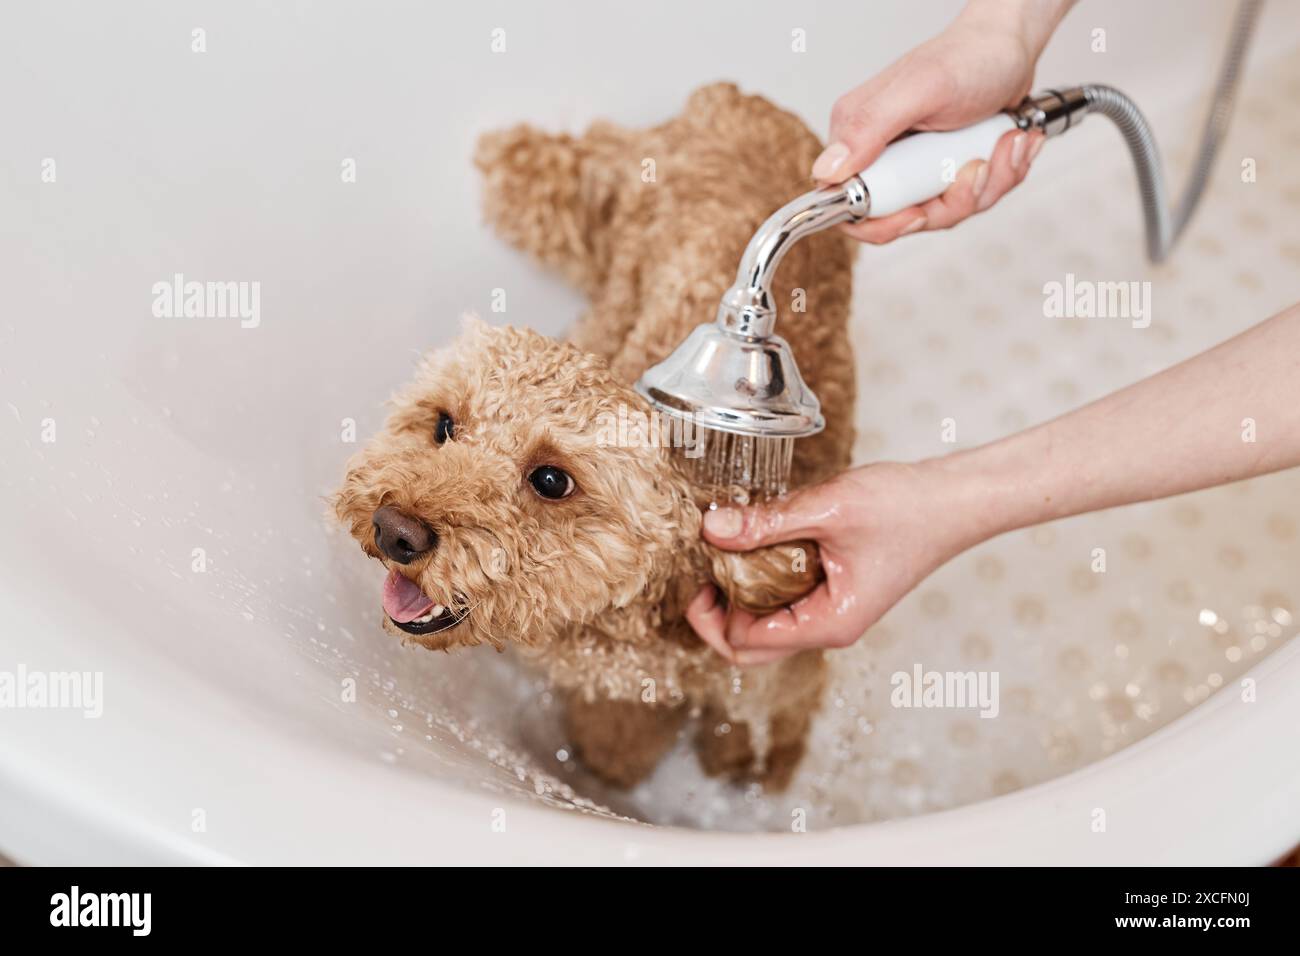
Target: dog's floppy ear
{"points": [[766, 579]]}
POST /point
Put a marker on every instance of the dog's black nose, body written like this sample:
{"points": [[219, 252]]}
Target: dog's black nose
{"points": [[400, 536]]}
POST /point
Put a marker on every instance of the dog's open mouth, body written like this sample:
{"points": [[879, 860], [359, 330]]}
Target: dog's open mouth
{"points": [[412, 611]]}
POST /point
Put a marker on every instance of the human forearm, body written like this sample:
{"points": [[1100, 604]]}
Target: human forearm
{"points": [[1227, 414]]}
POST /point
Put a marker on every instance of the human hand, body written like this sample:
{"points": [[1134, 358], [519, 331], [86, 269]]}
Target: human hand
{"points": [[880, 530], [982, 63]]}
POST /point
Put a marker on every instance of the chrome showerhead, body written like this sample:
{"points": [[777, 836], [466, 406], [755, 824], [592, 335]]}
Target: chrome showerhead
{"points": [[734, 383], [734, 380], [744, 403]]}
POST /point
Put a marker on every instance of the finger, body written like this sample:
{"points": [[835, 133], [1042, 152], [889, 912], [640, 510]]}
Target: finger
{"points": [[1005, 164], [866, 119], [979, 186], [708, 618], [818, 620], [738, 623], [1032, 149], [743, 529], [888, 228], [960, 199]]}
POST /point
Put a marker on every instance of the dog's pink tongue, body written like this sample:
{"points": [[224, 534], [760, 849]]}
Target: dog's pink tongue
{"points": [[403, 599]]}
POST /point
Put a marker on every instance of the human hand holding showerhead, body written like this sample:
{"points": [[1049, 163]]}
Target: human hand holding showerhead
{"points": [[982, 63]]}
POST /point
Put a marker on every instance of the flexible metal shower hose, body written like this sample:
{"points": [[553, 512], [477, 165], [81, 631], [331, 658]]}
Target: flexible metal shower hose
{"points": [[1165, 224]]}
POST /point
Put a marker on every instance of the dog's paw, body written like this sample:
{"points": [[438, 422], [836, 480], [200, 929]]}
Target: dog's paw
{"points": [[767, 579]]}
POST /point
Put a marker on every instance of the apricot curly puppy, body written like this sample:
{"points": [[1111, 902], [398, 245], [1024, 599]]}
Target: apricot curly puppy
{"points": [[502, 513]]}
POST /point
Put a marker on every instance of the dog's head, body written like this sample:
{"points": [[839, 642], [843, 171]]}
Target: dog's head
{"points": [[502, 503]]}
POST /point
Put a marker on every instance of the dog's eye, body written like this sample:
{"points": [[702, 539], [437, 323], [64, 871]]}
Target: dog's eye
{"points": [[550, 482], [445, 428]]}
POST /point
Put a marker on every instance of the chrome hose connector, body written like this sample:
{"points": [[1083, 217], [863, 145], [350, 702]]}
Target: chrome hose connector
{"points": [[1052, 112]]}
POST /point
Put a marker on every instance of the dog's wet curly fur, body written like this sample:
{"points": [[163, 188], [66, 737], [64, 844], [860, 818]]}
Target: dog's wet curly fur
{"points": [[594, 586]]}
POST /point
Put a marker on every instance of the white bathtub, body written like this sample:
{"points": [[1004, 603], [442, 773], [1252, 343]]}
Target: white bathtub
{"points": [[225, 734]]}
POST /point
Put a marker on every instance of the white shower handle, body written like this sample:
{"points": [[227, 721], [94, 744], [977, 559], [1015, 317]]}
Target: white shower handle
{"points": [[922, 165]]}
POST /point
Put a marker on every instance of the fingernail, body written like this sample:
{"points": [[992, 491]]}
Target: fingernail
{"points": [[831, 159], [914, 226], [1038, 144], [1018, 150], [722, 522], [981, 179]]}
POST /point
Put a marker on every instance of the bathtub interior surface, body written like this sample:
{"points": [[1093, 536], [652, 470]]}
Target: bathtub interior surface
{"points": [[164, 479]]}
